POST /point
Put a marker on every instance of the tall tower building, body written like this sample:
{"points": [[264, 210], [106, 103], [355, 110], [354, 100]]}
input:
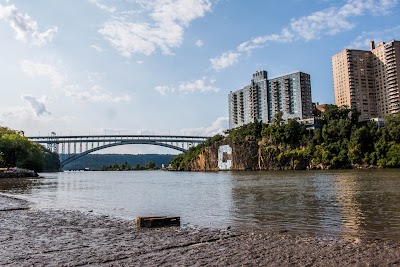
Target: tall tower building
{"points": [[262, 99], [249, 103], [291, 95], [368, 80], [386, 62]]}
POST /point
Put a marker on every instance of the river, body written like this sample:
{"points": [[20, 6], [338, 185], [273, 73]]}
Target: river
{"points": [[342, 203]]}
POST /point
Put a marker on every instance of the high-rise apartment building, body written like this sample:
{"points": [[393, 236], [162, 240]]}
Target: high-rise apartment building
{"points": [[368, 80], [262, 99]]}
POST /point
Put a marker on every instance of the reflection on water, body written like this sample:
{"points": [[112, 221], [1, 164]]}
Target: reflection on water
{"points": [[369, 203], [293, 201], [340, 203], [18, 186]]}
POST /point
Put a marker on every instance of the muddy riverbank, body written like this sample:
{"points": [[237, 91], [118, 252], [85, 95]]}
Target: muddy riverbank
{"points": [[31, 237]]}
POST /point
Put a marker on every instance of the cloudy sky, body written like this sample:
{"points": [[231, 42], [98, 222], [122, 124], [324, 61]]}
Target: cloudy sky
{"points": [[166, 66]]}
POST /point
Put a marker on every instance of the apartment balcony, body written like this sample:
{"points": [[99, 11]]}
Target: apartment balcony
{"points": [[391, 78]]}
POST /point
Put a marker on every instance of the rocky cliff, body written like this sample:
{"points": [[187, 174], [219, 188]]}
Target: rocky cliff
{"points": [[245, 155]]}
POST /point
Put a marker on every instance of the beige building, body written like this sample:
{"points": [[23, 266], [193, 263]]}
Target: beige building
{"points": [[368, 80]]}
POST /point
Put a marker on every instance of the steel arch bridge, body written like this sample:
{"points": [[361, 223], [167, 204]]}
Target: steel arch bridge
{"points": [[72, 148]]}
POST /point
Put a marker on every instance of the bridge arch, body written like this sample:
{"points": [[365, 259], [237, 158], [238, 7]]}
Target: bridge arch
{"points": [[131, 142]]}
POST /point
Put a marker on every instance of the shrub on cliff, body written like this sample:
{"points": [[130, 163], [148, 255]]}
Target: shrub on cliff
{"points": [[182, 161]]}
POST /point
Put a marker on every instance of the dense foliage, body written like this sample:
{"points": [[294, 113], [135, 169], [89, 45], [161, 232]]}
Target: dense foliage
{"points": [[18, 151], [126, 167], [341, 142]]}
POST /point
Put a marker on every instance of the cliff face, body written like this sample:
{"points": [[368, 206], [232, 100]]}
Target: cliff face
{"points": [[234, 155], [244, 155]]}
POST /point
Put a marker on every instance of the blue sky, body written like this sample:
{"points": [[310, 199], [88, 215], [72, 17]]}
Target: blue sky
{"points": [[166, 66]]}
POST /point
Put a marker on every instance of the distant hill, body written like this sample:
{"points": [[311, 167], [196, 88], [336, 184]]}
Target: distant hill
{"points": [[97, 161]]}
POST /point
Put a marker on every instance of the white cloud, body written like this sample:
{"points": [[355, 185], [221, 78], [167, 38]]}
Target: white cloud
{"points": [[217, 127], [97, 48], [38, 69], [198, 85], [140, 62], [170, 18], [95, 93], [37, 105], [225, 60], [25, 28], [24, 118], [163, 90], [17, 113], [329, 21], [203, 85], [362, 41], [199, 43], [103, 7]]}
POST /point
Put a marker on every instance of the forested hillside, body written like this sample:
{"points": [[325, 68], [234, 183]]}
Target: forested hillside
{"points": [[342, 142], [98, 161]]}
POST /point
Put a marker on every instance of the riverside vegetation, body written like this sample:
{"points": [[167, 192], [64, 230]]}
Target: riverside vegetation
{"points": [[342, 142], [18, 151], [126, 167], [98, 161]]}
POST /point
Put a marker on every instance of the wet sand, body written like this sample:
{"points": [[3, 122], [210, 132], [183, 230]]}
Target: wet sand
{"points": [[30, 237]]}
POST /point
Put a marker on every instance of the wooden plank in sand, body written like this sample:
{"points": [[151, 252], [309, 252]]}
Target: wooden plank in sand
{"points": [[157, 221]]}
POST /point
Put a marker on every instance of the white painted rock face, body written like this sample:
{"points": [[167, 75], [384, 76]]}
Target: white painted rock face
{"points": [[224, 152]]}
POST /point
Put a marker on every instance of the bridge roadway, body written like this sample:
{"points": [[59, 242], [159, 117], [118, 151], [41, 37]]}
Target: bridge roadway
{"points": [[73, 147]]}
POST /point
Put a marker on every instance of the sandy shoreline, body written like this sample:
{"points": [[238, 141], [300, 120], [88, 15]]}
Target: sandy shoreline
{"points": [[30, 237]]}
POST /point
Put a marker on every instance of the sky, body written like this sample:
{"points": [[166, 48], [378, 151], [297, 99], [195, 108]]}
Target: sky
{"points": [[77, 67]]}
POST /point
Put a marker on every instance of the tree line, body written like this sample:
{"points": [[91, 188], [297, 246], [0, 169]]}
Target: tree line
{"points": [[126, 167], [98, 161], [18, 151], [341, 142]]}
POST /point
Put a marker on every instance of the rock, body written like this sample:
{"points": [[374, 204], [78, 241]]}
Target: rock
{"points": [[18, 173]]}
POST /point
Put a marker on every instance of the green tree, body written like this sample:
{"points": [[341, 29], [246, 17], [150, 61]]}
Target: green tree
{"points": [[278, 118], [336, 130], [51, 160], [150, 165], [293, 132], [18, 151], [393, 155], [361, 142], [392, 127], [333, 112]]}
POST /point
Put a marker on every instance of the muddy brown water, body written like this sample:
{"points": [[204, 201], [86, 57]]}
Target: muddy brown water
{"points": [[350, 203]]}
